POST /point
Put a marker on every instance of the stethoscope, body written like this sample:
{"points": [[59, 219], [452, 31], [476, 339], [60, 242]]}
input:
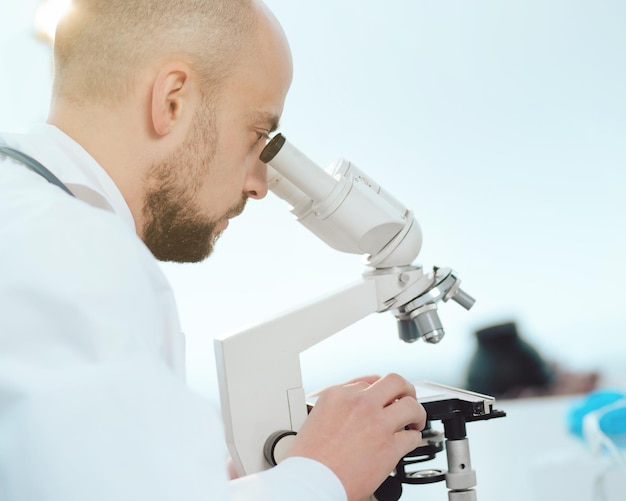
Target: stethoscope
{"points": [[35, 166]]}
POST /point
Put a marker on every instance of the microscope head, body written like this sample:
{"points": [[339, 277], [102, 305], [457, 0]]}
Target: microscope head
{"points": [[344, 207], [352, 213]]}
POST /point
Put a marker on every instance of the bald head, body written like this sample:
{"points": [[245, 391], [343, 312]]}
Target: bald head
{"points": [[102, 44], [187, 91]]}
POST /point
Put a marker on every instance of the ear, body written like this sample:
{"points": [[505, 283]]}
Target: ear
{"points": [[171, 94]]}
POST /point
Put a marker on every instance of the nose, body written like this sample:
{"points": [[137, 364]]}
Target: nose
{"points": [[256, 181]]}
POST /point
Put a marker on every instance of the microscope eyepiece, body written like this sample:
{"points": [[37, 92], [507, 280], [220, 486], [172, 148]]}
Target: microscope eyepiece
{"points": [[272, 148]]}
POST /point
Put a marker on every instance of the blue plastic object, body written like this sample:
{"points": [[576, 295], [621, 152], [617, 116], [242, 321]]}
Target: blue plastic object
{"points": [[612, 423]]}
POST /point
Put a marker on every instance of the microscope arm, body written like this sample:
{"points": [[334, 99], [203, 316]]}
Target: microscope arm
{"points": [[259, 370]]}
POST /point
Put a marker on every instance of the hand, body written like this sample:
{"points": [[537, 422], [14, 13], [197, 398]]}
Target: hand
{"points": [[359, 430], [230, 468]]}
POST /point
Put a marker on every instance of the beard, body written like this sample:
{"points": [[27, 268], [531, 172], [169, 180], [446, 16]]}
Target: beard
{"points": [[176, 232], [175, 228]]}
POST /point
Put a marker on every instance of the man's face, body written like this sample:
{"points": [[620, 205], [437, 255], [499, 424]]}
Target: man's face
{"points": [[209, 177], [177, 229]]}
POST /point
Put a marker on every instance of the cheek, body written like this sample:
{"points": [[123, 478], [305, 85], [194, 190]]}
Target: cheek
{"points": [[223, 184], [235, 159], [228, 169]]}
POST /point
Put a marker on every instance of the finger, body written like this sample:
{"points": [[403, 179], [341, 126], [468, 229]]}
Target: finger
{"points": [[392, 387], [371, 379], [360, 383], [406, 412], [407, 441]]}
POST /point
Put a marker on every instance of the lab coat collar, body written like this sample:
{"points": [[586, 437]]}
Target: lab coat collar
{"points": [[76, 168]]}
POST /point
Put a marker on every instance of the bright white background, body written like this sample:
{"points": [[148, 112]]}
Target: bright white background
{"points": [[502, 124]]}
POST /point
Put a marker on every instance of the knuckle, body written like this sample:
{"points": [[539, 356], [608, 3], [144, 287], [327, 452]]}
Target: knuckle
{"points": [[329, 395], [395, 378]]}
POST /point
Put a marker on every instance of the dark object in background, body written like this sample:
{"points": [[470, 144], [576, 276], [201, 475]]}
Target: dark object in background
{"points": [[504, 365]]}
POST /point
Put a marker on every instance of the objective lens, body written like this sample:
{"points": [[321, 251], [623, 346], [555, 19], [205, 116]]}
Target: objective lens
{"points": [[429, 326], [407, 330]]}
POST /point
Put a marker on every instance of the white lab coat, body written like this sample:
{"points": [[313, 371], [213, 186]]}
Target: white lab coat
{"points": [[93, 404]]}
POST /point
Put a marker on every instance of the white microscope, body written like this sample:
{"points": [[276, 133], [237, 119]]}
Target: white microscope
{"points": [[351, 213]]}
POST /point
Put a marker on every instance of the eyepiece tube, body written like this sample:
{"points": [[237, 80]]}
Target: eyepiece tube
{"points": [[298, 168], [281, 187]]}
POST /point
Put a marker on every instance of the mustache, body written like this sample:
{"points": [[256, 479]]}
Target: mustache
{"points": [[238, 209]]}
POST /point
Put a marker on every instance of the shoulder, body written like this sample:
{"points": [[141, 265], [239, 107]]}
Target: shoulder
{"points": [[41, 223], [73, 271]]}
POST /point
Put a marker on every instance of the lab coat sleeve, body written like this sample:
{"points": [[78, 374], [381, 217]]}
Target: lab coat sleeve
{"points": [[295, 478], [92, 405]]}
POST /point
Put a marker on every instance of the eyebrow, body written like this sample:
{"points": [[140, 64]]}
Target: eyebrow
{"points": [[271, 119]]}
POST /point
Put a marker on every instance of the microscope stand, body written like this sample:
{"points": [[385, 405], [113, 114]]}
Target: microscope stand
{"points": [[453, 407]]}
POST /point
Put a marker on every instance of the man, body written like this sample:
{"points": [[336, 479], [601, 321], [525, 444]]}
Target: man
{"points": [[160, 110]]}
